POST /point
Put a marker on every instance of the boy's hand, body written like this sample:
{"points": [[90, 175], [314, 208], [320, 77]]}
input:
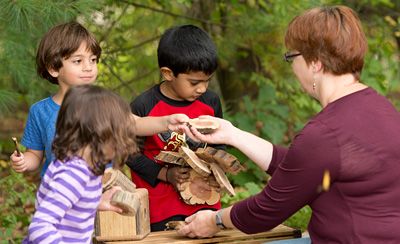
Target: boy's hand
{"points": [[174, 121], [177, 175], [18, 162]]}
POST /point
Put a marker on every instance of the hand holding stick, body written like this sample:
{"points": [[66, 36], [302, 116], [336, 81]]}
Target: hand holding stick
{"points": [[16, 146]]}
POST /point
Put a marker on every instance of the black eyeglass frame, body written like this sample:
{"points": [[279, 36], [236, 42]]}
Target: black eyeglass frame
{"points": [[288, 57]]}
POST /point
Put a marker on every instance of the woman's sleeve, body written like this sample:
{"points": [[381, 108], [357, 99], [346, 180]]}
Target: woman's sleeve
{"points": [[295, 182]]}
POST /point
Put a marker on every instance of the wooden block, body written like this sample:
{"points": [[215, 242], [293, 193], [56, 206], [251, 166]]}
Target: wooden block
{"points": [[111, 226], [127, 201], [113, 177]]}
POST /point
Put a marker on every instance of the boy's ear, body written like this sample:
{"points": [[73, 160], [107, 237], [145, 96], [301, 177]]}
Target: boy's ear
{"points": [[167, 73], [53, 72]]}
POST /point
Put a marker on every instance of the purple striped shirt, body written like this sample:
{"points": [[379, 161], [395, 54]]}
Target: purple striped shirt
{"points": [[66, 204]]}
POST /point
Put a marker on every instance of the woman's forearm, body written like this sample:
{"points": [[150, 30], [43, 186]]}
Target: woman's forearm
{"points": [[257, 149]]}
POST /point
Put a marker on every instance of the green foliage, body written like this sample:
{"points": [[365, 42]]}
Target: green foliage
{"points": [[248, 189], [22, 24], [267, 99], [17, 200], [300, 219]]}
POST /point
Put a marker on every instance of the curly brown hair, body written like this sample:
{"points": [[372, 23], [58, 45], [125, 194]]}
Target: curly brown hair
{"points": [[95, 117]]}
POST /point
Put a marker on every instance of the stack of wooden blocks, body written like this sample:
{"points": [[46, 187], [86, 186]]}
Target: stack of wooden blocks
{"points": [[134, 222]]}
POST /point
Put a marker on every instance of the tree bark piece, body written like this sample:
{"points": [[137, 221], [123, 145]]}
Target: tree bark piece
{"points": [[204, 126], [126, 201], [113, 177], [197, 190], [207, 154], [191, 158], [171, 157], [228, 162], [222, 179], [175, 225]]}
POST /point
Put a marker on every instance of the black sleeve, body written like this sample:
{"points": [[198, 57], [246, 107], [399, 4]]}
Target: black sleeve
{"points": [[146, 168]]}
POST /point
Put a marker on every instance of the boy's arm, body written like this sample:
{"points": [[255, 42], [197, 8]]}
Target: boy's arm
{"points": [[147, 126], [28, 161], [147, 169]]}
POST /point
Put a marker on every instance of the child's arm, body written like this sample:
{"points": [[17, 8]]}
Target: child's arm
{"points": [[28, 161], [147, 126]]}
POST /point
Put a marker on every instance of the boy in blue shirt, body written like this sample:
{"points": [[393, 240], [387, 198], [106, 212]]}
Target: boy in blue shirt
{"points": [[67, 56]]}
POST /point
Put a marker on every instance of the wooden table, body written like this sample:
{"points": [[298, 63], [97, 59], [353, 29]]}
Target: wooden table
{"points": [[227, 236]]}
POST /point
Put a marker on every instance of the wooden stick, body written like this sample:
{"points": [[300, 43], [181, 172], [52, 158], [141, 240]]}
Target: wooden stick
{"points": [[16, 146]]}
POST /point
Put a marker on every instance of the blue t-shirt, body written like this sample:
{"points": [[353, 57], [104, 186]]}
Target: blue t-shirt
{"points": [[40, 129]]}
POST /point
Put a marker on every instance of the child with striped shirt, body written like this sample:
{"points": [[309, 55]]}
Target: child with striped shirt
{"points": [[94, 127]]}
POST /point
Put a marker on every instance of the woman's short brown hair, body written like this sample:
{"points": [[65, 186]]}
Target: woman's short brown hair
{"points": [[332, 35], [59, 43], [95, 117]]}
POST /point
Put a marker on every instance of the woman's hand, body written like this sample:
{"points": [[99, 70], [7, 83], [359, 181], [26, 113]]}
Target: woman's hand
{"points": [[201, 224], [225, 134]]}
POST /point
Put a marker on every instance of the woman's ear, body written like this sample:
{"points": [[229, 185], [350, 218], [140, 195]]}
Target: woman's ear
{"points": [[316, 66], [167, 73], [53, 72]]}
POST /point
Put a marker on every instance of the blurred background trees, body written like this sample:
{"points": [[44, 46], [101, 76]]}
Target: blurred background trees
{"points": [[259, 92]]}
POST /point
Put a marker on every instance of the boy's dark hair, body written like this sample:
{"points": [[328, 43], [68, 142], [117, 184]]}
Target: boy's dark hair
{"points": [[95, 117], [187, 48], [59, 43]]}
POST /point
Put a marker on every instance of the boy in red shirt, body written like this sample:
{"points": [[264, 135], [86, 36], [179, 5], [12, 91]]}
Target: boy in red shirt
{"points": [[187, 58]]}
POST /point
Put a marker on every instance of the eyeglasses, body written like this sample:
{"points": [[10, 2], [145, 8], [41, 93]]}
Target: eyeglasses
{"points": [[288, 57]]}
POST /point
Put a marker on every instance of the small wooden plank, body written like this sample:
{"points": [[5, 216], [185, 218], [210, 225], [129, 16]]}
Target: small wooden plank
{"points": [[170, 157], [194, 161], [206, 154], [226, 236], [222, 179]]}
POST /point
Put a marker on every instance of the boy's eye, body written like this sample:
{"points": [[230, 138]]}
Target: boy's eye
{"points": [[76, 61], [93, 60]]}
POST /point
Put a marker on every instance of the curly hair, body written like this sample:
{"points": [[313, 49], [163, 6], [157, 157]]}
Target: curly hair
{"points": [[95, 117]]}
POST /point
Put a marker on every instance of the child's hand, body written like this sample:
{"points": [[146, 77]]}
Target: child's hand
{"points": [[177, 175], [174, 121], [225, 134], [105, 201], [18, 162]]}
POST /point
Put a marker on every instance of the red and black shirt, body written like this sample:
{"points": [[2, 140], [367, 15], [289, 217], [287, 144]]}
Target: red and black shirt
{"points": [[164, 201]]}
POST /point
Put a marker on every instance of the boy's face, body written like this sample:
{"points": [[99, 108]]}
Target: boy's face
{"points": [[78, 69], [186, 87]]}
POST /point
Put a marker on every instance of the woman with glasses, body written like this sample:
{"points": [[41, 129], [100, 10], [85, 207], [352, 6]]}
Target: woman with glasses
{"points": [[345, 162]]}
